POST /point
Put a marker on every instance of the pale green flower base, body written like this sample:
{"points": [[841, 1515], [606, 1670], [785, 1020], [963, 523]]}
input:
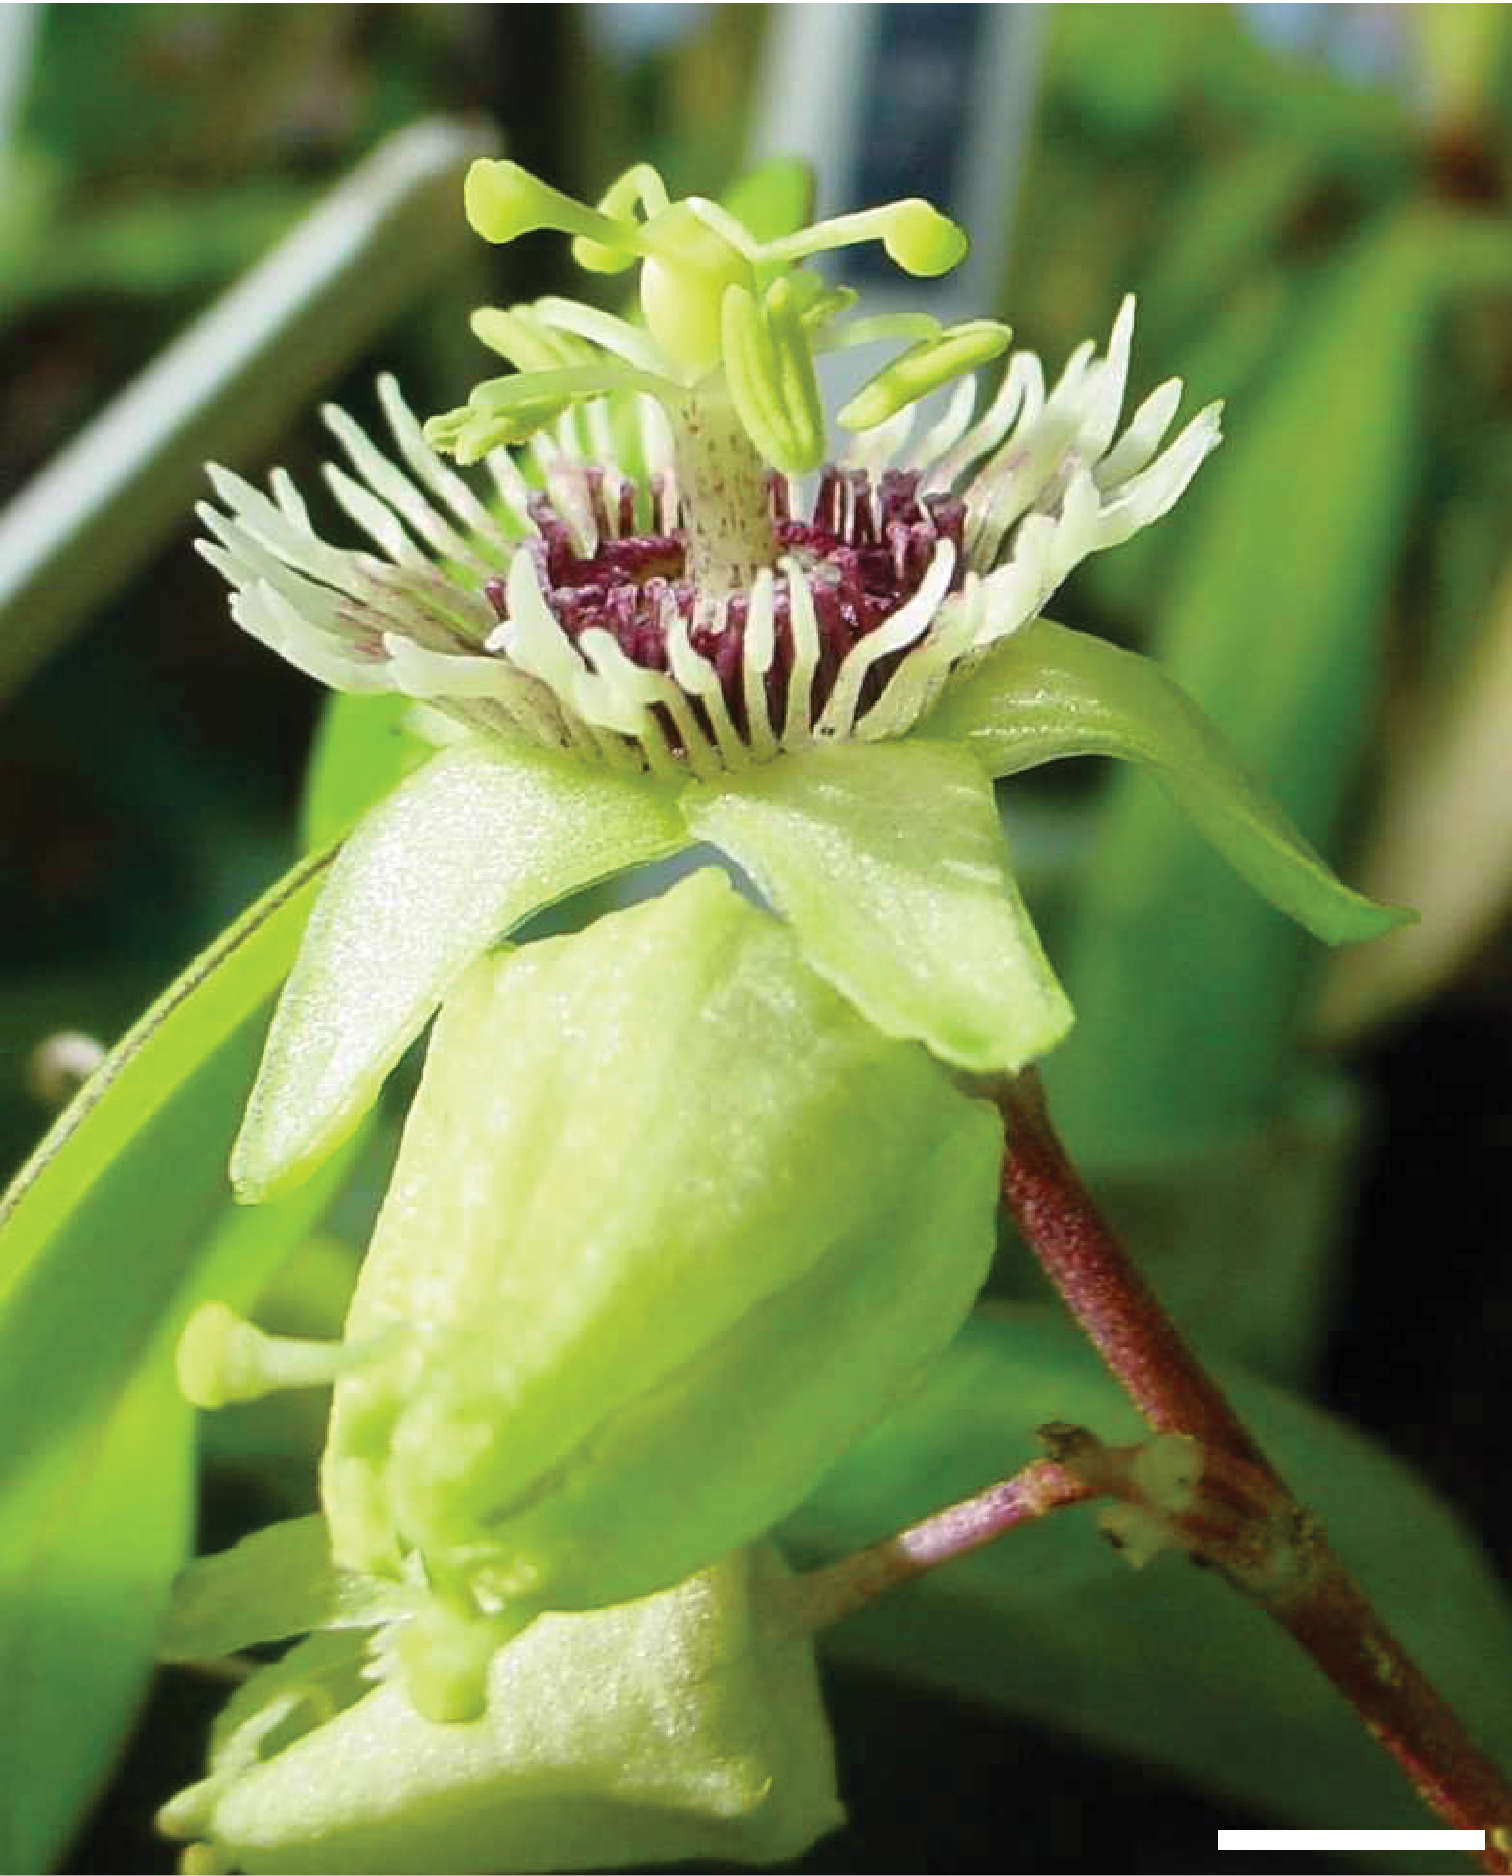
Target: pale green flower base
{"points": [[666, 1729]]}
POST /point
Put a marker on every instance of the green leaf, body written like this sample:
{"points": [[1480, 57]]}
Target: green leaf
{"points": [[110, 1235], [363, 749], [92, 1534], [774, 199], [1048, 693], [889, 862], [482, 837], [199, 1011], [1167, 1665]]}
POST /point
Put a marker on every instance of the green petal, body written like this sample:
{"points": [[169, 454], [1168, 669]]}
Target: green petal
{"points": [[477, 841], [1049, 692], [278, 1582], [889, 862]]}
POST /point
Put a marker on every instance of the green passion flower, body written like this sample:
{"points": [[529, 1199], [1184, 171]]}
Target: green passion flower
{"points": [[611, 1324], [687, 1724], [667, 618]]}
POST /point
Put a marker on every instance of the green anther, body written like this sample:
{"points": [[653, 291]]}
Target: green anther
{"points": [[771, 376], [820, 309], [686, 274], [505, 411], [924, 368], [912, 328], [529, 344], [504, 201]]}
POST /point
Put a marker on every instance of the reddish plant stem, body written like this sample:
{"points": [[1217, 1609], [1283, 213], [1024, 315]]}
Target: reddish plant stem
{"points": [[1111, 1301], [829, 1594], [1263, 1540]]}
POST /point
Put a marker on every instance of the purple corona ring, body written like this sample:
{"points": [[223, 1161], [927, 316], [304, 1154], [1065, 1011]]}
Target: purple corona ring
{"points": [[865, 552]]}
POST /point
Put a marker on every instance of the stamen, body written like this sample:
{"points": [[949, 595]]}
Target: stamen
{"points": [[924, 368], [222, 1358]]}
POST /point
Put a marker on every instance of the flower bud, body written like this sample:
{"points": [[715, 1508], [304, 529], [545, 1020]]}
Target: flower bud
{"points": [[688, 1724], [670, 1226]]}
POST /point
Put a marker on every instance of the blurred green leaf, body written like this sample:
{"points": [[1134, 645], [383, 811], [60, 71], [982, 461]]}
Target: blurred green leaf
{"points": [[1179, 975], [1168, 1665], [773, 200], [227, 385], [364, 748], [162, 245], [119, 1223], [1443, 839], [1228, 229]]}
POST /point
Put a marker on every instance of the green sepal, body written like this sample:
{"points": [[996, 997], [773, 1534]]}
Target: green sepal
{"points": [[463, 851], [686, 1725], [889, 861], [278, 1582], [1048, 692], [608, 1276]]}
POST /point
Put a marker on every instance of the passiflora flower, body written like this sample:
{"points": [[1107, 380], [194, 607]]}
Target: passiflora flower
{"points": [[686, 1199], [669, 621], [688, 1724]]}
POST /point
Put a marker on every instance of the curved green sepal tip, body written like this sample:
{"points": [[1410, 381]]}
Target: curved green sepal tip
{"points": [[462, 852], [889, 862], [688, 1725], [1049, 692], [641, 1312]]}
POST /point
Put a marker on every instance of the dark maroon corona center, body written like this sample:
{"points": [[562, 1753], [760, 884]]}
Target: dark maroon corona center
{"points": [[864, 551]]}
